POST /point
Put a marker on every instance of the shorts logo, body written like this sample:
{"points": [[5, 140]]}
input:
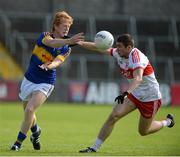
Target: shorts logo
{"points": [[44, 89]]}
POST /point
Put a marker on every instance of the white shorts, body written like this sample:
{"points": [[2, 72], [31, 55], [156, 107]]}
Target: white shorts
{"points": [[28, 87]]}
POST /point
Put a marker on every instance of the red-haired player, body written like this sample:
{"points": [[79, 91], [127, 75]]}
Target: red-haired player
{"points": [[50, 51]]}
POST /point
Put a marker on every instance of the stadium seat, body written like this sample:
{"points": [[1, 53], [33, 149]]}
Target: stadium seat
{"points": [[79, 25], [166, 49], [25, 24], [153, 28], [143, 46], [178, 29], [9, 69], [97, 69], [176, 71], [160, 71], [73, 70], [115, 26]]}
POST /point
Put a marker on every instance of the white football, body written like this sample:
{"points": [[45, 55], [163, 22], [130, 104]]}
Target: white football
{"points": [[104, 40]]}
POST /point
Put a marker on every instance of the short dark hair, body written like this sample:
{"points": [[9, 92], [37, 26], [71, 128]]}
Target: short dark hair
{"points": [[126, 40]]}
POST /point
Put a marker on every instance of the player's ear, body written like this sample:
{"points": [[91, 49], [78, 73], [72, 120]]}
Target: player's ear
{"points": [[129, 47]]}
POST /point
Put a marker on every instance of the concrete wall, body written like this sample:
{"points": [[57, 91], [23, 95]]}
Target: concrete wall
{"points": [[26, 5], [93, 7], [152, 7]]}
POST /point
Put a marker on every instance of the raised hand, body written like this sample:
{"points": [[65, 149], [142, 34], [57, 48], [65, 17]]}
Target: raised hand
{"points": [[77, 38]]}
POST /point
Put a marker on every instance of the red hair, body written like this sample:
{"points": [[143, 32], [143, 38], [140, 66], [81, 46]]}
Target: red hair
{"points": [[60, 17]]}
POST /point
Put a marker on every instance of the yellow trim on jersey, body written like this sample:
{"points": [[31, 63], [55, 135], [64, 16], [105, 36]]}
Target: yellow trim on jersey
{"points": [[43, 55], [62, 58]]}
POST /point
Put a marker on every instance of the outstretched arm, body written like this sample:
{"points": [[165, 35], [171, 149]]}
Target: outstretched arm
{"points": [[92, 47], [55, 43]]}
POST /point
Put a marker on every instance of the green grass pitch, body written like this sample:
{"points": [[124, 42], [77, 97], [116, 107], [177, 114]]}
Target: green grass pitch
{"points": [[66, 128]]}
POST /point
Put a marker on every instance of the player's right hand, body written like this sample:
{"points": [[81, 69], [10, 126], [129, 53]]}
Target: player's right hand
{"points": [[77, 38], [120, 98]]}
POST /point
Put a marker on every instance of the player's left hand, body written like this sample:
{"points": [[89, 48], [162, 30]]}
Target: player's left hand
{"points": [[120, 98]]}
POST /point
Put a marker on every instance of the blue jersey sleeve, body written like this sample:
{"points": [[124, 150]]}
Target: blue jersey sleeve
{"points": [[39, 40], [41, 37], [64, 50]]}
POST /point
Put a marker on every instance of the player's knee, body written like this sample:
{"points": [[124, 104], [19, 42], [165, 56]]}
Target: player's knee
{"points": [[114, 117], [29, 110]]}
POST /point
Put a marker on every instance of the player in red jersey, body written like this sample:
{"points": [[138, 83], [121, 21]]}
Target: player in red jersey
{"points": [[143, 92]]}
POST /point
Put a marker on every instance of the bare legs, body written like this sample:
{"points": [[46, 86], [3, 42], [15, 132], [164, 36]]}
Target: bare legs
{"points": [[30, 107], [149, 126], [118, 112], [146, 125]]}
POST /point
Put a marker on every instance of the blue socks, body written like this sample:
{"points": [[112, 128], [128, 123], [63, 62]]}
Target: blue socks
{"points": [[21, 137]]}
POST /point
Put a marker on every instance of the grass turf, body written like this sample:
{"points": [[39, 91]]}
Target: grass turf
{"points": [[66, 128]]}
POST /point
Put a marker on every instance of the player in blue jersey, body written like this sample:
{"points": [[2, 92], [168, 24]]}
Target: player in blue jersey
{"points": [[50, 51]]}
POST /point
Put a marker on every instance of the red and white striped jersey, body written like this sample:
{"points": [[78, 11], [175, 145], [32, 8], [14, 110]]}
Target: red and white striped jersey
{"points": [[148, 90]]}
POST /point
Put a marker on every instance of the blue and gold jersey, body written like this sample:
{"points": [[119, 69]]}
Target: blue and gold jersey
{"points": [[43, 54]]}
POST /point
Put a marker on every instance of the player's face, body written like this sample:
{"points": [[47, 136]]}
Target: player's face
{"points": [[63, 28], [122, 50]]}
